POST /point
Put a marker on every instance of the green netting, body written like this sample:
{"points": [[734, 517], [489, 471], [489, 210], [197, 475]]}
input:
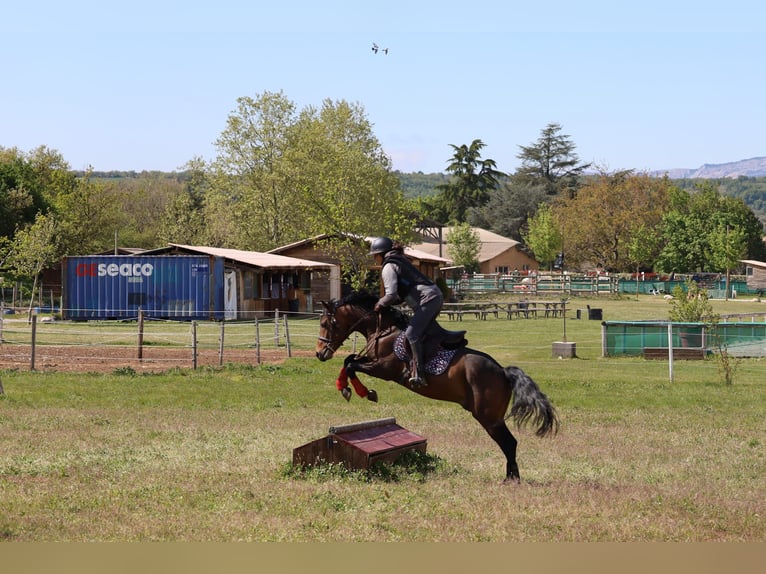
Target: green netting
{"points": [[630, 338]]}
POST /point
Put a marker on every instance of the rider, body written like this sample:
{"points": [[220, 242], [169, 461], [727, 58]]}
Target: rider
{"points": [[402, 281]]}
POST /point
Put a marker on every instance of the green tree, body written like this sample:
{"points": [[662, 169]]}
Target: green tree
{"points": [[463, 246], [250, 204], [21, 191], [691, 222], [344, 184], [508, 208], [552, 161], [87, 217], [543, 235], [599, 222], [727, 247], [183, 218], [472, 180], [34, 249], [643, 246]]}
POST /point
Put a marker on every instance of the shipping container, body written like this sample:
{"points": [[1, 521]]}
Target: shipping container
{"points": [[184, 287]]}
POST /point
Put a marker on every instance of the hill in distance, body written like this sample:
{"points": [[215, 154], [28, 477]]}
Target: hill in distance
{"points": [[753, 167]]}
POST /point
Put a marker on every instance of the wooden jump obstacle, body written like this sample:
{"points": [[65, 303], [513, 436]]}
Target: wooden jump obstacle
{"points": [[360, 445]]}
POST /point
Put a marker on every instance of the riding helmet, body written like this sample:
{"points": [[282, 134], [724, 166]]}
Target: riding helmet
{"points": [[381, 245]]}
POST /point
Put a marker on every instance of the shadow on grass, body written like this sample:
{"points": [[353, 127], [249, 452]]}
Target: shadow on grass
{"points": [[412, 466]]}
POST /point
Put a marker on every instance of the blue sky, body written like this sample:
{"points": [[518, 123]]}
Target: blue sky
{"points": [[148, 85]]}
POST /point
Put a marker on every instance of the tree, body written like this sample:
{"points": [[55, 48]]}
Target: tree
{"points": [[551, 161], [543, 235], [643, 246], [508, 208], [472, 181], [727, 247], [250, 203], [183, 219], [692, 221], [463, 246], [344, 185], [21, 191], [87, 217], [34, 249], [599, 222]]}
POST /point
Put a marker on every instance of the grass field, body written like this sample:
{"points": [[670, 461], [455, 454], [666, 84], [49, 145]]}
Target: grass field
{"points": [[205, 455]]}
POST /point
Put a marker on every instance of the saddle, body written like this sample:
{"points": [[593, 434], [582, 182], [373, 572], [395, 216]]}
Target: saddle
{"points": [[439, 347]]}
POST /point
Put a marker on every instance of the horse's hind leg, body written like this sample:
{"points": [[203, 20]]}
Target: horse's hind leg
{"points": [[507, 443]]}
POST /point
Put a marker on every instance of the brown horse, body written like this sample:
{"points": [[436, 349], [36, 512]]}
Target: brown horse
{"points": [[471, 378]]}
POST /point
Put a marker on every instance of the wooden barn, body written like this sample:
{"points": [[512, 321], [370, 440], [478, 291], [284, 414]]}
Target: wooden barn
{"points": [[497, 254], [756, 274], [257, 283]]}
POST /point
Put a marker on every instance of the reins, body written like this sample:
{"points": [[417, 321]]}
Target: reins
{"points": [[377, 334]]}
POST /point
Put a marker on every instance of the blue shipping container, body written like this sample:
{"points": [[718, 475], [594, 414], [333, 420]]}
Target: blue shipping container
{"points": [[186, 287]]}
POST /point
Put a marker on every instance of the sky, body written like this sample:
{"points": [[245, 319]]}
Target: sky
{"points": [[649, 85]]}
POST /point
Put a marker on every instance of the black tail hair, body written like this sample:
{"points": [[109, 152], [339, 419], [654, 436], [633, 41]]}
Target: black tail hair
{"points": [[530, 405]]}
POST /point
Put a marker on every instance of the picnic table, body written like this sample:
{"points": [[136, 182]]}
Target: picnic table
{"points": [[507, 309]]}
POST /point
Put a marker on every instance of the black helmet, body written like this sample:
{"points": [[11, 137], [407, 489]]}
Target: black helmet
{"points": [[381, 245]]}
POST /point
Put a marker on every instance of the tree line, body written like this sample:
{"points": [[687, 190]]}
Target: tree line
{"points": [[281, 174]]}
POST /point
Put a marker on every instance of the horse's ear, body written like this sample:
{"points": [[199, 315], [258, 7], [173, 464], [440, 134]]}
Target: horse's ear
{"points": [[326, 305]]}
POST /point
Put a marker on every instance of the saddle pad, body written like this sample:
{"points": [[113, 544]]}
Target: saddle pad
{"points": [[436, 365]]}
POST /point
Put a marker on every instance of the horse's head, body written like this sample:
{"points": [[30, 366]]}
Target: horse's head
{"points": [[341, 318]]}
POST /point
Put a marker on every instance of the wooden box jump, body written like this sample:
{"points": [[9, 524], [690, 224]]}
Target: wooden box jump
{"points": [[360, 445]]}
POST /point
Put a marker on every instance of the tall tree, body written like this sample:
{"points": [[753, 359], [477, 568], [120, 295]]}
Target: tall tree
{"points": [[21, 191], [344, 184], [463, 246], [691, 222], [543, 235], [473, 178], [87, 217], [552, 161], [508, 208], [250, 204], [727, 247], [183, 219], [600, 220], [34, 249]]}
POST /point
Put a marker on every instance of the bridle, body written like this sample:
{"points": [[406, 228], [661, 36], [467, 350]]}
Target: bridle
{"points": [[333, 323]]}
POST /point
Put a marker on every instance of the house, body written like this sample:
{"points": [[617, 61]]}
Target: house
{"points": [[313, 249], [756, 274], [256, 283], [497, 254]]}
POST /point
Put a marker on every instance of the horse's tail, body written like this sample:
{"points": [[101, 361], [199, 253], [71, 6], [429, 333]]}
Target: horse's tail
{"points": [[530, 405]]}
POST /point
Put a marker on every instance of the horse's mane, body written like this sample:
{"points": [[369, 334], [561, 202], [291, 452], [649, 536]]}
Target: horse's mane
{"points": [[366, 301]]}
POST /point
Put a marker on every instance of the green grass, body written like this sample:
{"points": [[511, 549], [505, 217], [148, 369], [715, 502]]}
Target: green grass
{"points": [[205, 454]]}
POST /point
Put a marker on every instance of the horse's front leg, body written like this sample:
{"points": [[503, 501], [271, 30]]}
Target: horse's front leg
{"points": [[351, 365]]}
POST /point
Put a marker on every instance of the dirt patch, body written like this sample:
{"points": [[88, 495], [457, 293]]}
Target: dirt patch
{"points": [[84, 359]]}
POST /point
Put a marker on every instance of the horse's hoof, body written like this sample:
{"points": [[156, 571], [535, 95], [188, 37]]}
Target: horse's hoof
{"points": [[418, 384], [512, 480], [372, 395], [346, 392]]}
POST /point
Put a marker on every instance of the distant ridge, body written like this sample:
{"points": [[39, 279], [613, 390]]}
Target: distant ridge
{"points": [[753, 167]]}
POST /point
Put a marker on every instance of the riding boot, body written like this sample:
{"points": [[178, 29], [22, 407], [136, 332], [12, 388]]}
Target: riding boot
{"points": [[418, 374]]}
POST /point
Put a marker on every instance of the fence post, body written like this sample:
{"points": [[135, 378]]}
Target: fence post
{"points": [[276, 328], [34, 342], [140, 334], [194, 344], [287, 337], [670, 350], [220, 344], [257, 341]]}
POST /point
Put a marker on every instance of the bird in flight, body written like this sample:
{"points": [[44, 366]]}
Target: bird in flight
{"points": [[376, 49]]}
